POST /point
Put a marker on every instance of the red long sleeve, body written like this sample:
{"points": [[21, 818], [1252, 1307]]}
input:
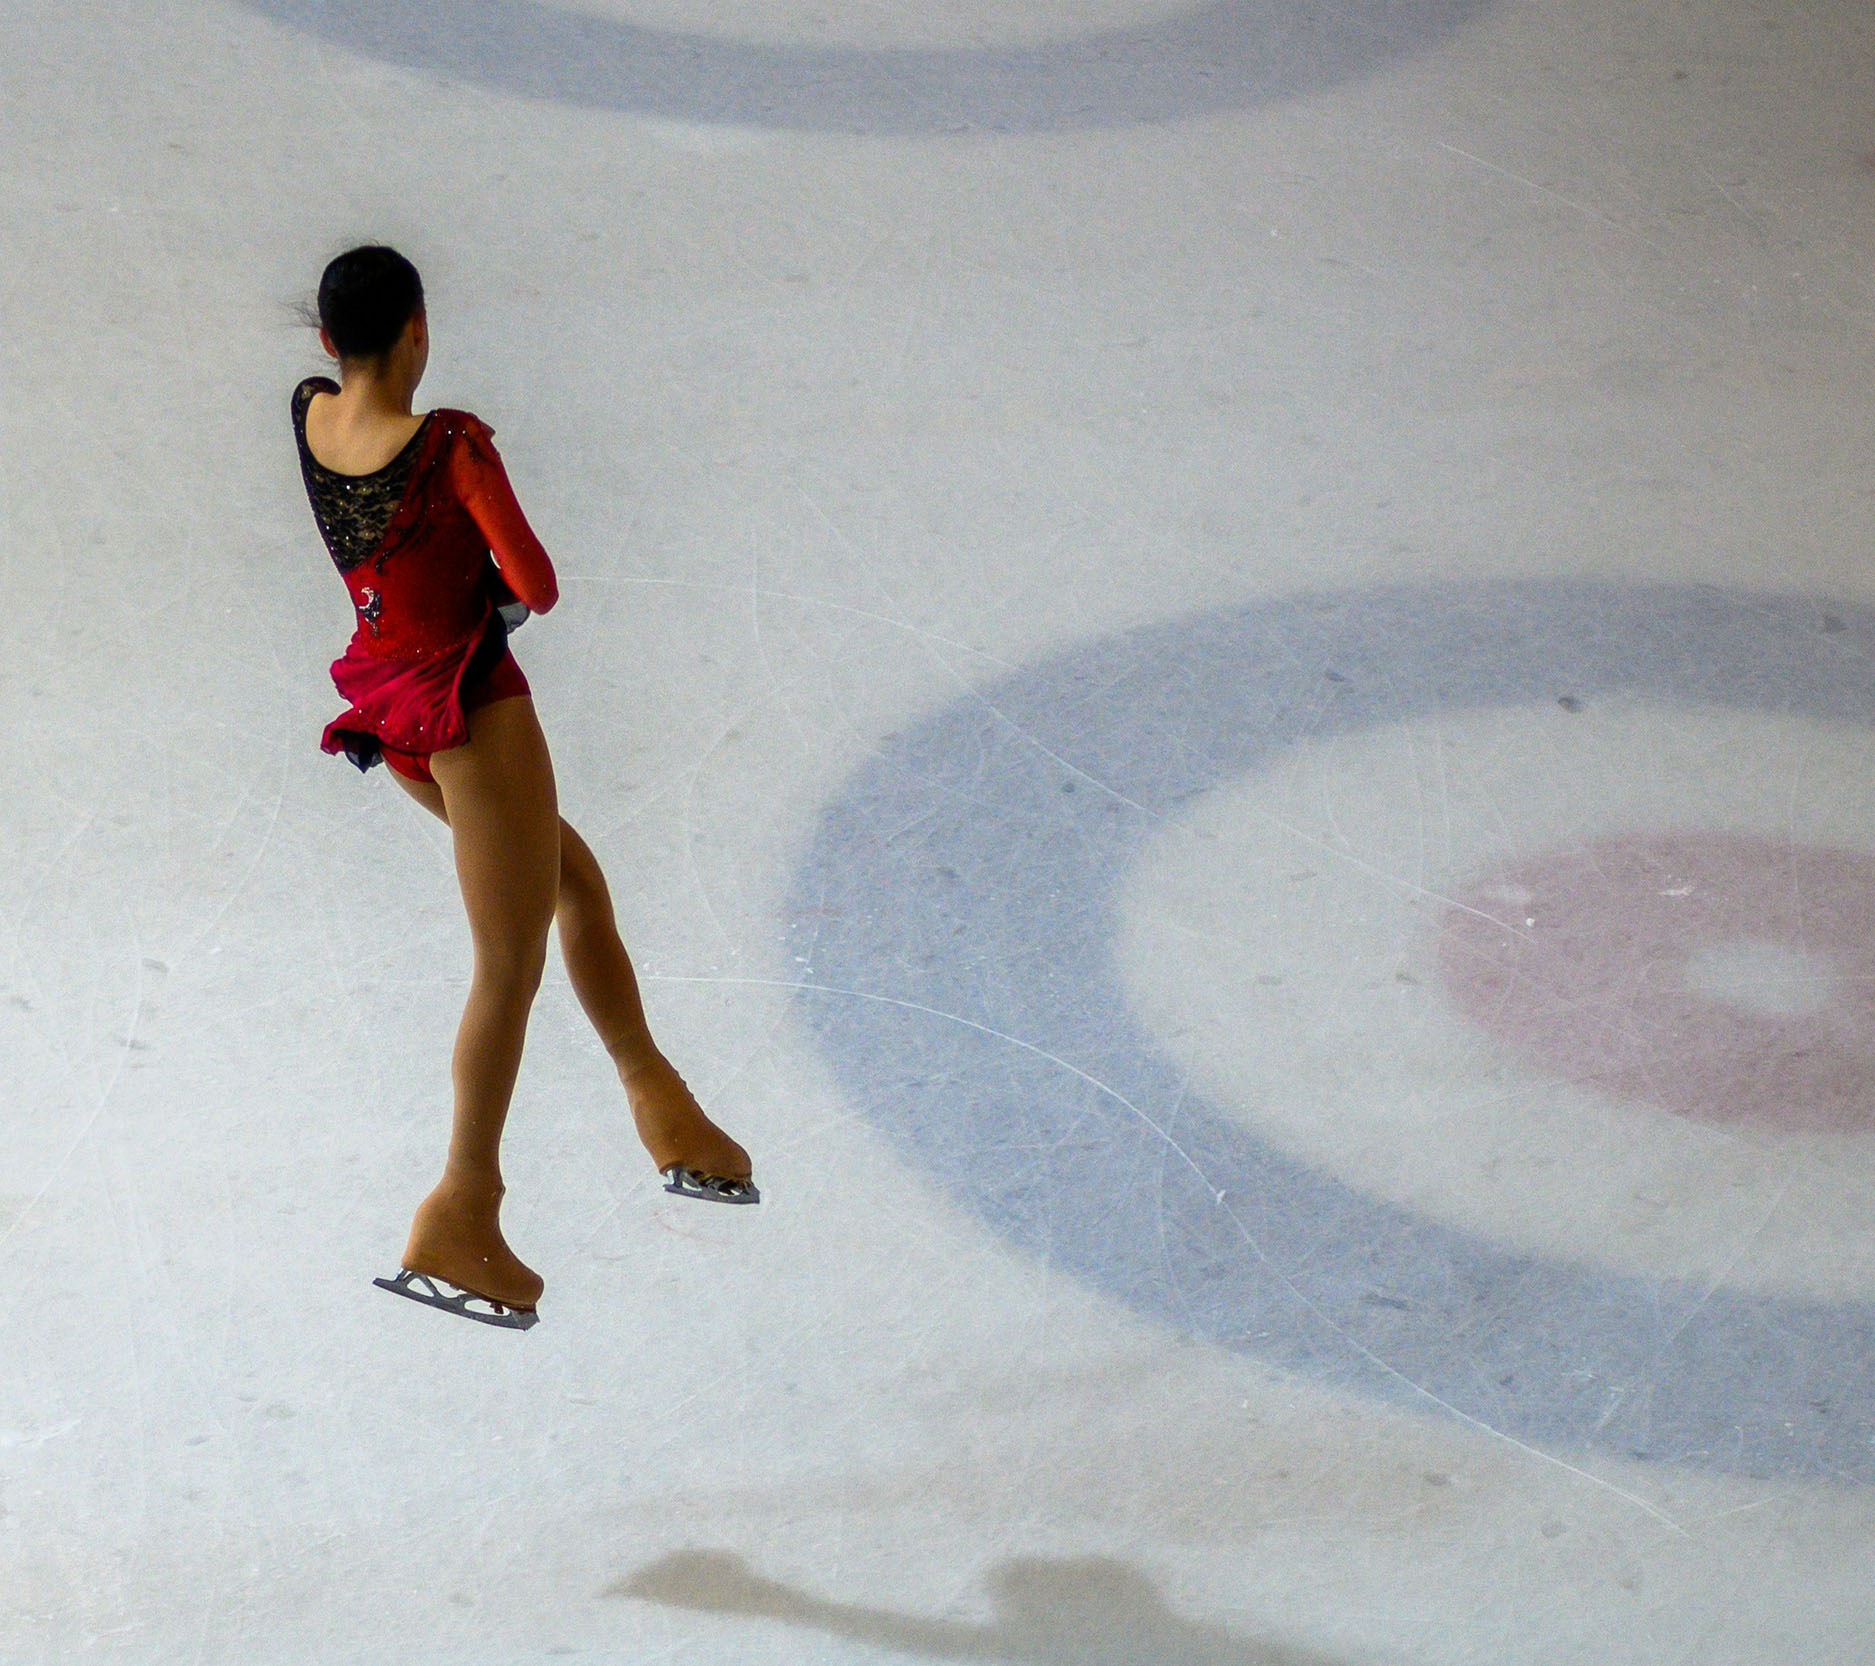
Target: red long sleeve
{"points": [[481, 484]]}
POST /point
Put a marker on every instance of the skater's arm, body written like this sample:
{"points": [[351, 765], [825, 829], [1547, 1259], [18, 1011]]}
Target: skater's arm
{"points": [[482, 484]]}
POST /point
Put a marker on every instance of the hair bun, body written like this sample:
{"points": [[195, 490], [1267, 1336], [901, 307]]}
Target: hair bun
{"points": [[366, 297]]}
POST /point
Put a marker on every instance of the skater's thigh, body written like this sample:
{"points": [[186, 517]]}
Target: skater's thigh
{"points": [[426, 793], [503, 813], [579, 868]]}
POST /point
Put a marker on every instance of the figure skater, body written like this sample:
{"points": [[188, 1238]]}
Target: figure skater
{"points": [[441, 565]]}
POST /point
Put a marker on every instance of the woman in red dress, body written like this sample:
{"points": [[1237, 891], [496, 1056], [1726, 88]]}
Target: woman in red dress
{"points": [[441, 564]]}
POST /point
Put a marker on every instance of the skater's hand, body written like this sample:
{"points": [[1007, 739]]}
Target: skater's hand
{"points": [[514, 612]]}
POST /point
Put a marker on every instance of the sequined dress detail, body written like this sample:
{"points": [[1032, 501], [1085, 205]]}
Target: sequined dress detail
{"points": [[351, 510]]}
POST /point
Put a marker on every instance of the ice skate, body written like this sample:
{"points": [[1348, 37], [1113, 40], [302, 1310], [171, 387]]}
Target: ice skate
{"points": [[712, 1188], [456, 1243], [420, 1287], [695, 1157]]}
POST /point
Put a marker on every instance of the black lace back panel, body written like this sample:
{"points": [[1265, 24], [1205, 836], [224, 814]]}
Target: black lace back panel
{"points": [[352, 509]]}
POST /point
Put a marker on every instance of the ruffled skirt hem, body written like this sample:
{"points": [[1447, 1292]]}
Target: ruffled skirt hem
{"points": [[414, 706]]}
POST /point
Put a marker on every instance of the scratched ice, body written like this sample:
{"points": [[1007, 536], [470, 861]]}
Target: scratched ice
{"points": [[915, 405]]}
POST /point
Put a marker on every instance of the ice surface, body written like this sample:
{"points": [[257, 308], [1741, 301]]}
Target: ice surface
{"points": [[890, 391]]}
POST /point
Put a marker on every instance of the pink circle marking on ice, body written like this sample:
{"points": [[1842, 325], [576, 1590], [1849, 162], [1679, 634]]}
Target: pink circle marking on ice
{"points": [[1600, 964]]}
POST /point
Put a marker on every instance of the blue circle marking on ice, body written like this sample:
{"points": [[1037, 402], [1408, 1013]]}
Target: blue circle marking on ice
{"points": [[1227, 55], [957, 911]]}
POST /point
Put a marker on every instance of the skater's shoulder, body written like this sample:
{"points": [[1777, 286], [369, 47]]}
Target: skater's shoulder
{"points": [[307, 391]]}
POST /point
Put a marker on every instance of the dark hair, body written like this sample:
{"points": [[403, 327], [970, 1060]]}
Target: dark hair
{"points": [[366, 297]]}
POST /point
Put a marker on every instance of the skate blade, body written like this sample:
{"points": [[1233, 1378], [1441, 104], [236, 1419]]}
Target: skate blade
{"points": [[488, 1312], [711, 1188]]}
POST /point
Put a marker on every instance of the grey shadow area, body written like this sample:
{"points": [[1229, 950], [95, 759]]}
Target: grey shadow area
{"points": [[955, 917], [1068, 1611], [1229, 55]]}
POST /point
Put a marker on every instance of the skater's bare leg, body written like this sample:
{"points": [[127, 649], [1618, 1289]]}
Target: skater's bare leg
{"points": [[498, 797], [671, 1124], [669, 1120]]}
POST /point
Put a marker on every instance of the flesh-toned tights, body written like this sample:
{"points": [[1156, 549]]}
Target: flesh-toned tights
{"points": [[521, 869]]}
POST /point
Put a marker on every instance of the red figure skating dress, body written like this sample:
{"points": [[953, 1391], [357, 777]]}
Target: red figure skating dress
{"points": [[429, 546]]}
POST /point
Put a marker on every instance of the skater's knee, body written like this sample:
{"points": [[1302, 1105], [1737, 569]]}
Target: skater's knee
{"points": [[582, 882], [512, 966]]}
